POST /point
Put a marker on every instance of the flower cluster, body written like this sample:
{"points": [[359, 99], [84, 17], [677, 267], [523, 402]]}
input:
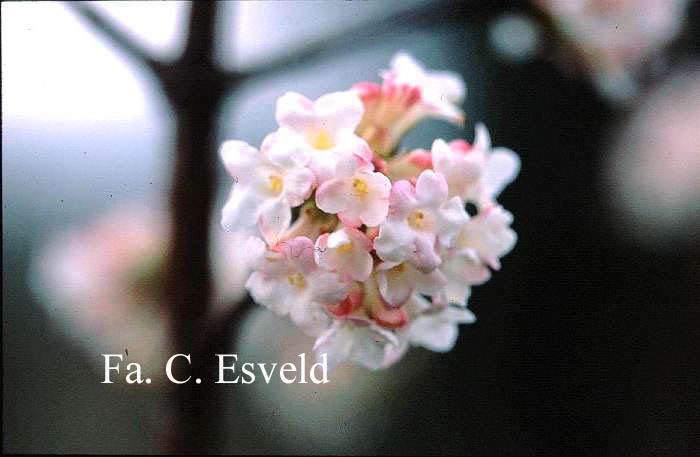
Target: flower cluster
{"points": [[613, 39], [382, 252]]}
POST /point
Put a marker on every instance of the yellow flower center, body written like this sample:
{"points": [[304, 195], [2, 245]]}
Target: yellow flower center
{"points": [[398, 268], [360, 187], [345, 248], [320, 140], [416, 220], [275, 183], [297, 280]]}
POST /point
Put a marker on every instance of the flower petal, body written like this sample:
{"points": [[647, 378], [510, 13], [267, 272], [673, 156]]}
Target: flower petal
{"points": [[331, 196], [431, 188], [240, 159], [502, 167], [274, 218], [340, 110], [294, 111], [298, 184], [241, 210]]}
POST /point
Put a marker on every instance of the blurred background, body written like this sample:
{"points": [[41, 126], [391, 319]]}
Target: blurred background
{"points": [[586, 341]]}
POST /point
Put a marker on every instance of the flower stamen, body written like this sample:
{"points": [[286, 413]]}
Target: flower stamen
{"points": [[416, 220], [320, 140], [275, 184], [297, 280]]}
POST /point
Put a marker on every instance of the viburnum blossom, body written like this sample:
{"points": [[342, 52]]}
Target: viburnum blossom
{"points": [[419, 215], [265, 190], [614, 39], [383, 253], [407, 94], [476, 173], [318, 132]]}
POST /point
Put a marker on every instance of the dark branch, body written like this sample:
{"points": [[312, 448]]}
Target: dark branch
{"points": [[106, 27]]}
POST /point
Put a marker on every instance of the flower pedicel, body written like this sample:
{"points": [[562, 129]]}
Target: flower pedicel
{"points": [[378, 232]]}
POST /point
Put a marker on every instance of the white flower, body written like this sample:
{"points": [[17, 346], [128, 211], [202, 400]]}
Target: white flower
{"points": [[438, 330], [287, 280], [264, 190], [418, 216], [489, 234], [479, 245], [433, 327], [318, 132], [407, 94], [356, 193], [346, 251], [440, 91], [358, 340], [398, 281], [476, 173]]}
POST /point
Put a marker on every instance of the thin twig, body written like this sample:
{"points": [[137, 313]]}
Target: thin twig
{"points": [[109, 29]]}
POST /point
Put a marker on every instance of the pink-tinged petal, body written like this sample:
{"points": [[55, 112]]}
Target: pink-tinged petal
{"points": [[502, 167], [405, 65], [389, 318], [468, 268], [327, 288], [271, 293], [349, 304], [274, 218], [394, 242], [438, 107], [253, 251], [285, 148], [348, 164], [368, 346], [349, 219], [298, 184], [441, 153], [339, 110], [490, 235], [452, 217], [449, 84], [402, 199], [392, 353], [345, 251], [375, 206], [424, 257], [395, 286], [338, 239], [299, 252], [320, 248], [482, 139], [345, 340], [367, 91], [311, 318], [430, 283], [294, 111], [433, 334], [324, 166], [240, 159], [457, 293], [241, 210], [336, 343], [438, 331], [359, 265], [359, 239], [431, 188], [410, 165], [331, 196]]}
